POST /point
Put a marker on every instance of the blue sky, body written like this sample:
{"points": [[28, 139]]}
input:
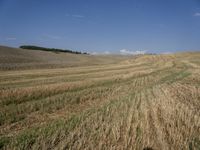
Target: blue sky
{"points": [[101, 26]]}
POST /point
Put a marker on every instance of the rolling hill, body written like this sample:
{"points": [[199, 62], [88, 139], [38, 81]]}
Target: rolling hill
{"points": [[16, 58]]}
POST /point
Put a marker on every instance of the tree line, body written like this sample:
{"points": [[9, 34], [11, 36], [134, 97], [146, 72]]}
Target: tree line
{"points": [[31, 47]]}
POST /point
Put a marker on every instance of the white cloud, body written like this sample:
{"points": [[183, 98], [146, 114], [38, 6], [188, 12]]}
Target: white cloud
{"points": [[94, 53], [74, 15], [122, 52], [101, 53], [10, 38], [106, 52], [197, 14], [78, 16], [167, 52], [127, 52]]}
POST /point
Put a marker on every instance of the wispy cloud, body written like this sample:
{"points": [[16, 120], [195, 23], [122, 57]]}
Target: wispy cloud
{"points": [[94, 53], [10, 38], [74, 15], [78, 16], [122, 52], [197, 14], [128, 52], [101, 53], [106, 52], [166, 53]]}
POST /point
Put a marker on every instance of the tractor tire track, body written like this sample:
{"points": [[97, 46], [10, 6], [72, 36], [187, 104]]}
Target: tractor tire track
{"points": [[155, 126]]}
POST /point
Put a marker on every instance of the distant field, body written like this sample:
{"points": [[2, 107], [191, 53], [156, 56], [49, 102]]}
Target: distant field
{"points": [[102, 102]]}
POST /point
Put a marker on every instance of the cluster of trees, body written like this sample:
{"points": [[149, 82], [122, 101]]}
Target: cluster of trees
{"points": [[31, 47]]}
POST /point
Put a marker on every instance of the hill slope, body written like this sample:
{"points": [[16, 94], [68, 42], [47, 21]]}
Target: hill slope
{"points": [[150, 102], [15, 58]]}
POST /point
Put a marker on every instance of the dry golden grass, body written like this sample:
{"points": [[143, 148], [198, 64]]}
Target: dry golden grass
{"points": [[152, 101]]}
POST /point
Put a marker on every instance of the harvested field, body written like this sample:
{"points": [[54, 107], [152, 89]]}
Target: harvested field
{"points": [[145, 102]]}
